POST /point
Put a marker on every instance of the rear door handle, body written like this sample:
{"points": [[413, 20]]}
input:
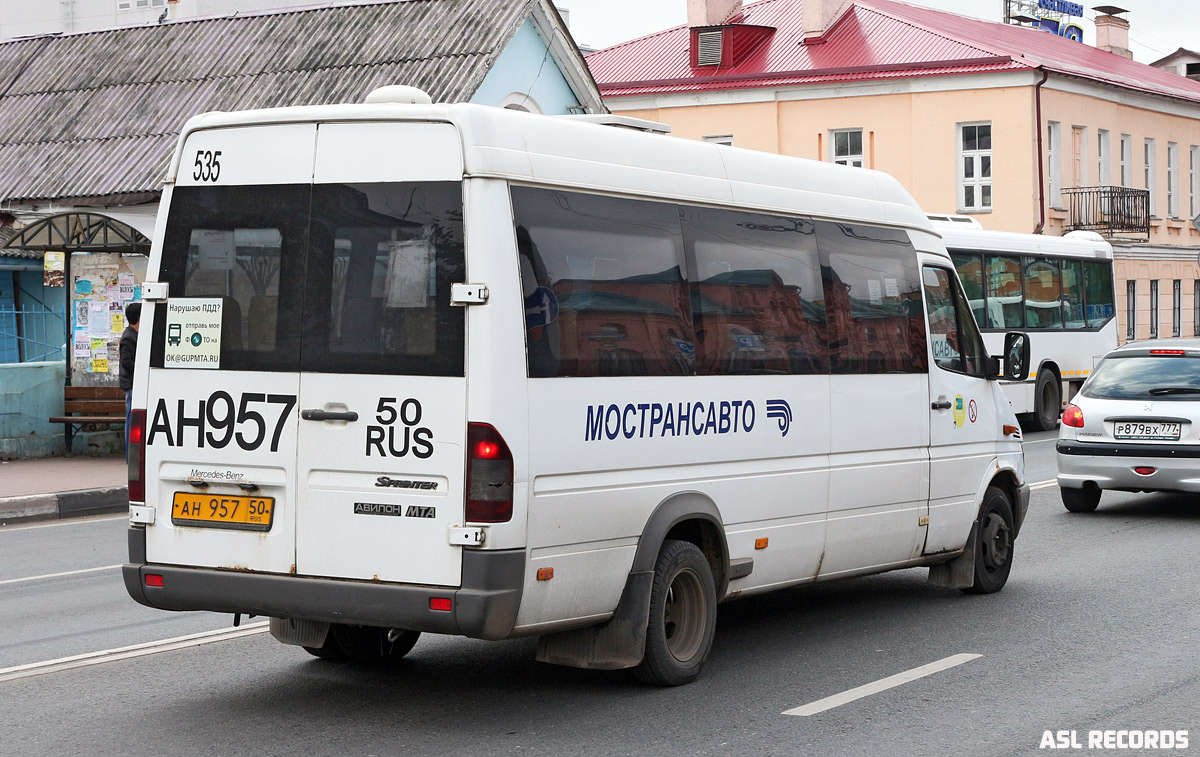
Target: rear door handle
{"points": [[942, 405], [326, 415]]}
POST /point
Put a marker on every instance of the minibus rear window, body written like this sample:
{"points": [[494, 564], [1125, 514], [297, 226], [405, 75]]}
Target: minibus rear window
{"points": [[359, 284]]}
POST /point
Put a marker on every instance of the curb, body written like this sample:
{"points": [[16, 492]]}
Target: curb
{"points": [[72, 504]]}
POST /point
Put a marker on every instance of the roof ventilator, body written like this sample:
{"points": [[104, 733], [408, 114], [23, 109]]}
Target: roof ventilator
{"points": [[398, 93], [708, 47]]}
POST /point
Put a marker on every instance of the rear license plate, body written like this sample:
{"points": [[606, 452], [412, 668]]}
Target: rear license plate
{"points": [[222, 511], [1146, 431]]}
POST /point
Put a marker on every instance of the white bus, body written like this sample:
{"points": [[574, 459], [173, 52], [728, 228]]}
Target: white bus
{"points": [[1058, 289], [465, 370]]}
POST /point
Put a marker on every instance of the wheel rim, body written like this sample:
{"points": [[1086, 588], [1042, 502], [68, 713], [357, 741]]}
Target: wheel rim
{"points": [[684, 615], [995, 542]]}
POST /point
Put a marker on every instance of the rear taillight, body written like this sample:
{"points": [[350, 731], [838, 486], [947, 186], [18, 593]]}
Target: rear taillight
{"points": [[489, 475], [1072, 417], [137, 456]]}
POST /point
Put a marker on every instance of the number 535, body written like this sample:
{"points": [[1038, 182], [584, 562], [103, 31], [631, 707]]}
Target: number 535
{"points": [[207, 165]]}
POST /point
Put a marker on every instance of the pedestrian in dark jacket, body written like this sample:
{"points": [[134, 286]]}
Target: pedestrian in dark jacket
{"points": [[133, 316]]}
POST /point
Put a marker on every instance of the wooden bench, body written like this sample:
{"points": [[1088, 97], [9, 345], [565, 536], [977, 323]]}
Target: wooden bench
{"points": [[90, 405]]}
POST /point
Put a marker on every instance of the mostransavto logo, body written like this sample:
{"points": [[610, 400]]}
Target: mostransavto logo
{"points": [[1114, 739]]}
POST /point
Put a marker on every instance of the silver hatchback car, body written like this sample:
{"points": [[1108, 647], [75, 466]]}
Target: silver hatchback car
{"points": [[1134, 426]]}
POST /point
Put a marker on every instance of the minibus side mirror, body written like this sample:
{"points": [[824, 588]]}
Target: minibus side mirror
{"points": [[1016, 356]]}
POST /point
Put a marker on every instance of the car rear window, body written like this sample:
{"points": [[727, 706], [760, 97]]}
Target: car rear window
{"points": [[1133, 377]]}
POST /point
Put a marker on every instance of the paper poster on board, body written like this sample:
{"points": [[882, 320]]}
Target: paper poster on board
{"points": [[193, 333], [216, 249]]}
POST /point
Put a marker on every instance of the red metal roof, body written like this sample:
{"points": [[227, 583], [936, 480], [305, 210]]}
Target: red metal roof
{"points": [[873, 40]]}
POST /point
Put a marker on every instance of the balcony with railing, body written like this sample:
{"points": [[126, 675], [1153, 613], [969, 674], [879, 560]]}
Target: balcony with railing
{"points": [[1112, 211]]}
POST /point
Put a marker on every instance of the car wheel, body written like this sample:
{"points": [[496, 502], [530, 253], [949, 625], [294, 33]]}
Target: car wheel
{"points": [[683, 616], [1083, 500], [993, 543], [1047, 400], [372, 644], [330, 651]]}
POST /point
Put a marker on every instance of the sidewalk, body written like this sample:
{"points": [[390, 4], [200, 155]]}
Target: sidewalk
{"points": [[61, 487]]}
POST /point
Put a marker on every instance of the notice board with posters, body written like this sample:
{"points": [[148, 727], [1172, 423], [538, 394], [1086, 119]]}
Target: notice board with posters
{"points": [[101, 285]]}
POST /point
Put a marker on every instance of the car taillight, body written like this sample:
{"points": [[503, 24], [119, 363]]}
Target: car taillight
{"points": [[489, 475], [137, 456], [1072, 417]]}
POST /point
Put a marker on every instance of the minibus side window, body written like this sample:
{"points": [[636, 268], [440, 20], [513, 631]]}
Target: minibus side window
{"points": [[757, 297], [957, 344], [605, 293], [873, 305]]}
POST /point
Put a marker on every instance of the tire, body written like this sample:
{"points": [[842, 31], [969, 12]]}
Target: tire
{"points": [[370, 644], [1047, 400], [330, 651], [683, 616], [993, 543], [1083, 500]]}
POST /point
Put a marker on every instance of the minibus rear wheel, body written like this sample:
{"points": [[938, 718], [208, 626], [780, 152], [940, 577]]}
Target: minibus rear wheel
{"points": [[994, 534], [372, 644], [683, 616]]}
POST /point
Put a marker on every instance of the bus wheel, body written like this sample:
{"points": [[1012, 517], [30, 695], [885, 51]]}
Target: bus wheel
{"points": [[1083, 500], [993, 543], [372, 644], [1047, 400], [683, 616]]}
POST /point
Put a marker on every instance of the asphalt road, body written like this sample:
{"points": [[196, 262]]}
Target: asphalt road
{"points": [[1097, 629]]}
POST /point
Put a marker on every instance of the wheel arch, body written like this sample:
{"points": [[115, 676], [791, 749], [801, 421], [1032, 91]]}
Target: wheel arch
{"points": [[691, 517]]}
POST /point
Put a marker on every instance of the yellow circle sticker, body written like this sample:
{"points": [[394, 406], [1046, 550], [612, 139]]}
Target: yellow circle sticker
{"points": [[960, 411]]}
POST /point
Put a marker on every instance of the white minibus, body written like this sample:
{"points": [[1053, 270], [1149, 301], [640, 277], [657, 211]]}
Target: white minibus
{"points": [[1057, 289], [465, 370]]}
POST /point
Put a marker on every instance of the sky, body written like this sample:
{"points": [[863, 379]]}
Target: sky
{"points": [[1157, 27]]}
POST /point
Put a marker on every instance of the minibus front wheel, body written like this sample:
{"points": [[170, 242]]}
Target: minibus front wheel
{"points": [[683, 616], [994, 534]]}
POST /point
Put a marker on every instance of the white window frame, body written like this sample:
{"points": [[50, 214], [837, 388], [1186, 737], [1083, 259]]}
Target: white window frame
{"points": [[1054, 162], [977, 181], [1194, 180], [1150, 173], [719, 139], [1154, 311], [855, 160], [1177, 307], [1173, 179], [1131, 310], [1126, 160], [1103, 176]]}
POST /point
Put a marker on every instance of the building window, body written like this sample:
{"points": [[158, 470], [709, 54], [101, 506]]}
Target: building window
{"points": [[1054, 162], [1131, 310], [1154, 308], [1079, 168], [1177, 309], [1194, 181], [720, 139], [1172, 180], [130, 5], [1150, 175], [975, 167], [848, 147], [1102, 174], [1126, 160], [1196, 307]]}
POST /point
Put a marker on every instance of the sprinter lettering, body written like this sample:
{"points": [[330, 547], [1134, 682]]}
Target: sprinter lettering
{"points": [[216, 422], [651, 420], [396, 433]]}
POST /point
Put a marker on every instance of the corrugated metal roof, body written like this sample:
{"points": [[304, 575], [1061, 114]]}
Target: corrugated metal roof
{"points": [[98, 113], [874, 39]]}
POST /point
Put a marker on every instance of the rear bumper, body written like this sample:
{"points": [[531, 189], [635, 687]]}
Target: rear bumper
{"points": [[1110, 466], [485, 607]]}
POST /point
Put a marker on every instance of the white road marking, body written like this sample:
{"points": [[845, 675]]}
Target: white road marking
{"points": [[1043, 484], [69, 522], [124, 653], [1040, 441], [57, 575], [883, 684]]}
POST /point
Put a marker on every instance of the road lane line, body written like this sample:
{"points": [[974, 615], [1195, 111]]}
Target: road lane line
{"points": [[883, 684], [124, 653], [65, 522], [57, 575], [1043, 484], [1040, 441]]}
